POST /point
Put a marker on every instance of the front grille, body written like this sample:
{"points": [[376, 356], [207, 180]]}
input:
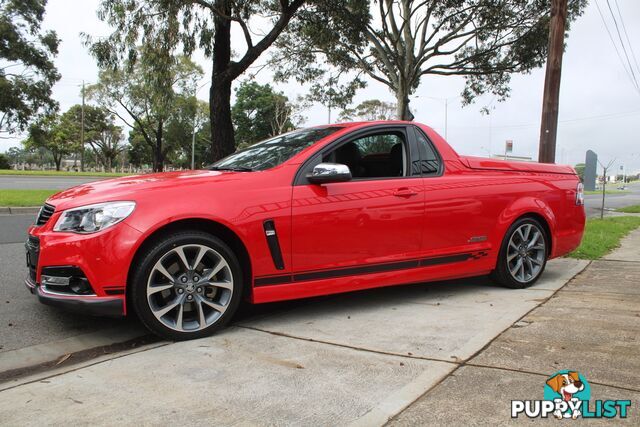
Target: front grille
{"points": [[45, 213]]}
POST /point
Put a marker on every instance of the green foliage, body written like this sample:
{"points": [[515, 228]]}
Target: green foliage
{"points": [[27, 72], [149, 98], [4, 162], [484, 41], [580, 170], [50, 134], [169, 26], [372, 109], [178, 132], [603, 235], [259, 113]]}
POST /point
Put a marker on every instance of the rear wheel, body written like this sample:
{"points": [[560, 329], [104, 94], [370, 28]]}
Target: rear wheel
{"points": [[187, 286], [523, 254]]}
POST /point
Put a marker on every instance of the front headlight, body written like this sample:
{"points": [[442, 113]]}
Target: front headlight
{"points": [[93, 218]]}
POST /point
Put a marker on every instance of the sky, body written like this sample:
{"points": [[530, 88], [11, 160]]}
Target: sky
{"points": [[599, 105]]}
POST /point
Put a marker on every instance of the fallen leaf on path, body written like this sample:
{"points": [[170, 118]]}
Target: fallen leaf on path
{"points": [[63, 358]]}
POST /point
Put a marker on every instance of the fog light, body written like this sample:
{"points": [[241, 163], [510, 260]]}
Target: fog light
{"points": [[66, 280], [80, 285]]}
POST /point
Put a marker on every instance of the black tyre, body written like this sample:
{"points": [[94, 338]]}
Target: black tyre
{"points": [[523, 254], [187, 285]]}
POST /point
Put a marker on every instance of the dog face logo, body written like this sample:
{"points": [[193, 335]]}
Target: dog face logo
{"points": [[569, 388], [566, 385]]}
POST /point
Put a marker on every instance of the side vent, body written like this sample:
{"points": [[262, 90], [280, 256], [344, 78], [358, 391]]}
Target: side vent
{"points": [[274, 244]]}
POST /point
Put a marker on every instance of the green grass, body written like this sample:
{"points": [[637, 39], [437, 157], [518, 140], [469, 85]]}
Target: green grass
{"points": [[61, 173], [15, 198], [603, 235], [607, 192], [630, 209]]}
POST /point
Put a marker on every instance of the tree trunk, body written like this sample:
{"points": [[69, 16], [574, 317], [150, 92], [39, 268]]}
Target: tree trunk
{"points": [[222, 134], [57, 160], [402, 110], [158, 157]]}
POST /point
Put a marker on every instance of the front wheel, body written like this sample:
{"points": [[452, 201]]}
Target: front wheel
{"points": [[523, 255], [187, 286]]}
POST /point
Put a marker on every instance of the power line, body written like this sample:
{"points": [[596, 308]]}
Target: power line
{"points": [[624, 49], [626, 34], [615, 46], [577, 119]]}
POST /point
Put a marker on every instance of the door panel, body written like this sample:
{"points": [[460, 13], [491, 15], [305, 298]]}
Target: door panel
{"points": [[356, 223]]}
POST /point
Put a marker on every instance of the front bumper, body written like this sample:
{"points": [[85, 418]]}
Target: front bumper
{"points": [[102, 260], [92, 305]]}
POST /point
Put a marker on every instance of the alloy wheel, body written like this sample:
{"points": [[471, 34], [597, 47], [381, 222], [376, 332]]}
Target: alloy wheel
{"points": [[190, 287], [526, 253]]}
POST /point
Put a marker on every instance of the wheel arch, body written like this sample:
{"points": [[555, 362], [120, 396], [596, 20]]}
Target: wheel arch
{"points": [[215, 228], [533, 208]]}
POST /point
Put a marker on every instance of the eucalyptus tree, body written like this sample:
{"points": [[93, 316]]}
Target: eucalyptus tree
{"points": [[371, 109], [168, 25], [206, 25], [485, 41], [48, 134], [27, 71], [143, 93]]}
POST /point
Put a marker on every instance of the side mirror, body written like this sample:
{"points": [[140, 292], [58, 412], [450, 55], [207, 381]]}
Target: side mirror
{"points": [[325, 173]]}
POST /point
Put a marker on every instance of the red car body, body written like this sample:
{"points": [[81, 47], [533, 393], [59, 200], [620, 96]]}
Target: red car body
{"points": [[337, 237]]}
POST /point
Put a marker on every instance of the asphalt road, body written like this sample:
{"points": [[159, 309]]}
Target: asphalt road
{"points": [[21, 182], [593, 202], [24, 321]]}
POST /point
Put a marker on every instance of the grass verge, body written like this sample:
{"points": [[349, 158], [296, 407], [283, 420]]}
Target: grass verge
{"points": [[607, 192], [630, 209], [603, 235], [16, 198], [60, 173]]}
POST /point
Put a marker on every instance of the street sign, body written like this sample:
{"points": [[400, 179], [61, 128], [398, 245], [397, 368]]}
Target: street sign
{"points": [[509, 146]]}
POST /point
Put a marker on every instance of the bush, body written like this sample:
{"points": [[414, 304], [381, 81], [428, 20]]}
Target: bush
{"points": [[4, 162]]}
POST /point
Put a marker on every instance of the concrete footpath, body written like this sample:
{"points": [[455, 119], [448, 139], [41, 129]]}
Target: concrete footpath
{"points": [[432, 354], [359, 358], [592, 326]]}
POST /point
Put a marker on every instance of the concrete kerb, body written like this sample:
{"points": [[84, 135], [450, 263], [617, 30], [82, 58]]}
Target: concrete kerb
{"points": [[19, 210]]}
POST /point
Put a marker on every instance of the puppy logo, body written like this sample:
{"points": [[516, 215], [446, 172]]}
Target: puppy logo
{"points": [[566, 385], [569, 387]]}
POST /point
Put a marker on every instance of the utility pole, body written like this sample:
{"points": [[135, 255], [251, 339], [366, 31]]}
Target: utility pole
{"points": [[549, 125], [82, 132]]}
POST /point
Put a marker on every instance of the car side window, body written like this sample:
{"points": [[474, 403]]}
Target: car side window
{"points": [[429, 163], [381, 155]]}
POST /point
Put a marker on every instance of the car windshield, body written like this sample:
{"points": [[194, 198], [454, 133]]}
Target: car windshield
{"points": [[274, 151]]}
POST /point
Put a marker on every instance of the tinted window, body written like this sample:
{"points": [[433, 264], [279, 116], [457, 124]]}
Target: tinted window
{"points": [[381, 155], [429, 163], [274, 151]]}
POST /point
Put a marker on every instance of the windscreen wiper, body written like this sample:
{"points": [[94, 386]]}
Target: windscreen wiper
{"points": [[231, 168]]}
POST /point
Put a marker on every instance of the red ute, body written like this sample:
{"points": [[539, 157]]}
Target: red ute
{"points": [[312, 212]]}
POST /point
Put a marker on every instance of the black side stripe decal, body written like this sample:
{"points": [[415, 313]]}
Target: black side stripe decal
{"points": [[366, 269]]}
